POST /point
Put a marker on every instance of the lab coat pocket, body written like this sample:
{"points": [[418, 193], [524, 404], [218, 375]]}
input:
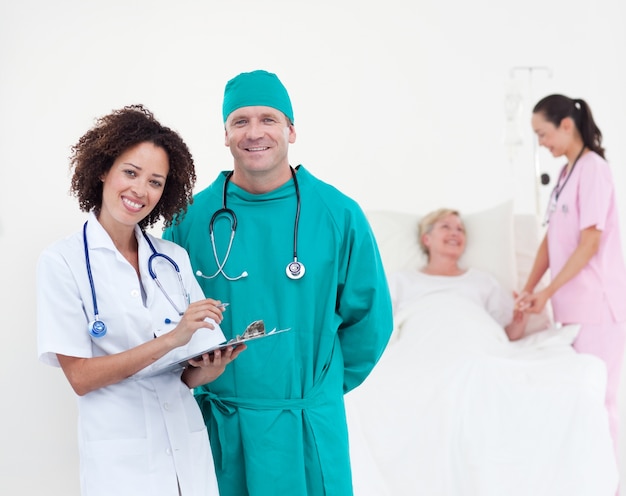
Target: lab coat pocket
{"points": [[128, 459], [114, 448]]}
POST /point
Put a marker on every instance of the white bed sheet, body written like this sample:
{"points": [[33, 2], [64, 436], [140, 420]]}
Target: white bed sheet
{"points": [[455, 409]]}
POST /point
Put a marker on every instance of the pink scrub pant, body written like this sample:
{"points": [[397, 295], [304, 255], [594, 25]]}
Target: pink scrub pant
{"points": [[606, 340]]}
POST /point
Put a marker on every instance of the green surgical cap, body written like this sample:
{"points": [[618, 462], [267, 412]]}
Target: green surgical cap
{"points": [[256, 88]]}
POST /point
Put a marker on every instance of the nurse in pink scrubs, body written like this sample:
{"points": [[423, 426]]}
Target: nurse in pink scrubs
{"points": [[582, 247]]}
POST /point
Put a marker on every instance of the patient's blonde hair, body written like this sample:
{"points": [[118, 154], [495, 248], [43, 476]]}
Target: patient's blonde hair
{"points": [[426, 223]]}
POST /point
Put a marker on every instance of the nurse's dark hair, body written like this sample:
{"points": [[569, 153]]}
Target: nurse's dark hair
{"points": [[112, 135], [555, 108]]}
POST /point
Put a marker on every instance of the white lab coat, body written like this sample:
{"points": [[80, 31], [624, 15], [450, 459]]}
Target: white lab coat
{"points": [[142, 435]]}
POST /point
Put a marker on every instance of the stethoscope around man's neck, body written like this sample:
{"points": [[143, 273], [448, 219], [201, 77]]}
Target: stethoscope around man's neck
{"points": [[294, 270], [97, 328]]}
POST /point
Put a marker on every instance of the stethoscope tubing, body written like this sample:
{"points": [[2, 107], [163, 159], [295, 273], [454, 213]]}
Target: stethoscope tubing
{"points": [[154, 277], [97, 328], [297, 218], [556, 191]]}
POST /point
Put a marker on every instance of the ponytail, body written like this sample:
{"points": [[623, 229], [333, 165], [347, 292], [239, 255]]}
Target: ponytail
{"points": [[591, 134]]}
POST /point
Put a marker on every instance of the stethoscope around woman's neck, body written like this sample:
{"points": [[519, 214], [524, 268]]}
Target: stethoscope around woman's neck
{"points": [[97, 328], [556, 191], [294, 270]]}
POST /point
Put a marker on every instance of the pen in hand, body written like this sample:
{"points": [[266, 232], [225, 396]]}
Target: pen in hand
{"points": [[171, 321]]}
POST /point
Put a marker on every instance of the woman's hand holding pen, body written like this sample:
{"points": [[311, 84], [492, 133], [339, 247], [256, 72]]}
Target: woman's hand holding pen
{"points": [[209, 366], [199, 314]]}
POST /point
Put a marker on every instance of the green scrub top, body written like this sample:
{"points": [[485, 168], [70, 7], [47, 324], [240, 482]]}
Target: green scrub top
{"points": [[276, 416]]}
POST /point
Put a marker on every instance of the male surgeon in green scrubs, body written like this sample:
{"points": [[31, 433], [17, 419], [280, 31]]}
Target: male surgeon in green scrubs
{"points": [[303, 257]]}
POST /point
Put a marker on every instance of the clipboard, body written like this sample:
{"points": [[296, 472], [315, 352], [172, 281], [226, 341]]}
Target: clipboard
{"points": [[254, 331]]}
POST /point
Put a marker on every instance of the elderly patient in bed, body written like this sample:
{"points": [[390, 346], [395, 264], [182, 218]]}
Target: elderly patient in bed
{"points": [[462, 404], [442, 238]]}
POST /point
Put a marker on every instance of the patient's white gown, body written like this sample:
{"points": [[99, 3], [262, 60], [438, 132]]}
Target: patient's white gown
{"points": [[475, 285], [455, 409]]}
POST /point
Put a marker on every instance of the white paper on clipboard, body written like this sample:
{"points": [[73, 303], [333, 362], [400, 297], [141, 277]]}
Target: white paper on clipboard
{"points": [[180, 363]]}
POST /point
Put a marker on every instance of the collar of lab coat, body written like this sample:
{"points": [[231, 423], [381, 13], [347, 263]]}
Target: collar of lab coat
{"points": [[98, 238]]}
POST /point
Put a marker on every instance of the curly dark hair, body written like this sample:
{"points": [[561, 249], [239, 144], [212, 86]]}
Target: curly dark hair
{"points": [[112, 135]]}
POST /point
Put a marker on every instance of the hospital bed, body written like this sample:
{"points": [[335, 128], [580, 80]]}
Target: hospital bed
{"points": [[455, 409]]}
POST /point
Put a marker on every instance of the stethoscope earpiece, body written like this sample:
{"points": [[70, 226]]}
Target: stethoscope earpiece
{"points": [[97, 328]]}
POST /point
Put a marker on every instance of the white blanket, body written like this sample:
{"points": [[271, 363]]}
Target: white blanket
{"points": [[455, 409]]}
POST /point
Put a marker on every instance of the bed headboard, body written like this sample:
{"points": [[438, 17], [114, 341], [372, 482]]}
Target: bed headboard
{"points": [[498, 241]]}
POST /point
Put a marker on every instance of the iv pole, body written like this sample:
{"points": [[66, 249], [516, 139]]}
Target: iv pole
{"points": [[530, 70]]}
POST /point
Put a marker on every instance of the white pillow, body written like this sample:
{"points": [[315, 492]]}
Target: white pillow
{"points": [[490, 241]]}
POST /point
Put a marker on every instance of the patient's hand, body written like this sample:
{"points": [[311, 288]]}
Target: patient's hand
{"points": [[521, 301], [534, 303], [515, 330]]}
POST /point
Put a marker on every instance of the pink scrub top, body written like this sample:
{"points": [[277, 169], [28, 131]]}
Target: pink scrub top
{"points": [[588, 199]]}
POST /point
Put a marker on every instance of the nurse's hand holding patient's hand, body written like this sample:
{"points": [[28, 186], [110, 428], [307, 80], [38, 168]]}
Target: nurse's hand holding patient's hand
{"points": [[532, 302], [521, 301]]}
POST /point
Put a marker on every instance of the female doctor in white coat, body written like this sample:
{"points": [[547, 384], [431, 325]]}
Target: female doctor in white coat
{"points": [[110, 303]]}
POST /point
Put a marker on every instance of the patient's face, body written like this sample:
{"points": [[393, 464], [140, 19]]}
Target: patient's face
{"points": [[447, 237]]}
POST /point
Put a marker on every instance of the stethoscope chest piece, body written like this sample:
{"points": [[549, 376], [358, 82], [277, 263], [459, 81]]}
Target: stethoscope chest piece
{"points": [[295, 270], [97, 328]]}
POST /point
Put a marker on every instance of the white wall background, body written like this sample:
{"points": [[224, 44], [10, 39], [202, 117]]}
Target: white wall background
{"points": [[401, 104]]}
